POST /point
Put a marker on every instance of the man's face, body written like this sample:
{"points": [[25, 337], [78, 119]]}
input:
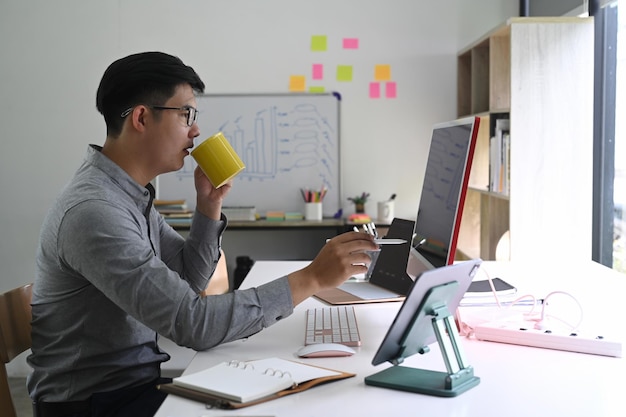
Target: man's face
{"points": [[171, 138]]}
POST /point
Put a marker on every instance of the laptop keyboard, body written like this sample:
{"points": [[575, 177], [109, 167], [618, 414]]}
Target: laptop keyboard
{"points": [[332, 325]]}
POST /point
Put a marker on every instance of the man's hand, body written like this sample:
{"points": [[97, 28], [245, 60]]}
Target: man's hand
{"points": [[208, 198], [341, 258]]}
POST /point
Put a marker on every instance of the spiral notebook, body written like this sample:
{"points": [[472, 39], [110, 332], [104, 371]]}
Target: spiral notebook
{"points": [[239, 384]]}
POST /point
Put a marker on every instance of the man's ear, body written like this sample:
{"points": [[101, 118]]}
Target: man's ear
{"points": [[138, 117]]}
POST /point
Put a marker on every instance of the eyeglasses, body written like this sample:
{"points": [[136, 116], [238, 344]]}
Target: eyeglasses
{"points": [[192, 112]]}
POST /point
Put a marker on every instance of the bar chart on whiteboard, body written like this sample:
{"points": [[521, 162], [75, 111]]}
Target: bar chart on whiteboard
{"points": [[287, 142]]}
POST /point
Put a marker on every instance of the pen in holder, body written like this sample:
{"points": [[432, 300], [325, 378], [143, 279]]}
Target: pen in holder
{"points": [[313, 203]]}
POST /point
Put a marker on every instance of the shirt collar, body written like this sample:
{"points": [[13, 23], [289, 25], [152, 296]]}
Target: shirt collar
{"points": [[141, 194]]}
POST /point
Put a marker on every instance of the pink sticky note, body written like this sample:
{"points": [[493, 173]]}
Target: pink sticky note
{"points": [[374, 90], [318, 71], [350, 43], [390, 90]]}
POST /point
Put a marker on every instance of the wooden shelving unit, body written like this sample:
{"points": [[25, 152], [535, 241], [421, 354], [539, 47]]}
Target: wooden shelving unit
{"points": [[538, 72]]}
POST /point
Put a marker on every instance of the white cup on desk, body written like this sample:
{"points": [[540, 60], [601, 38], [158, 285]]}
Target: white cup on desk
{"points": [[386, 211], [313, 211]]}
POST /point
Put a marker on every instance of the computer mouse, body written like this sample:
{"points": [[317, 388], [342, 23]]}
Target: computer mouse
{"points": [[323, 350]]}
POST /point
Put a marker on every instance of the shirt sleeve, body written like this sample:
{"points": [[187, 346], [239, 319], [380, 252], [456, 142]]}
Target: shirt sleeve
{"points": [[194, 258], [104, 245]]}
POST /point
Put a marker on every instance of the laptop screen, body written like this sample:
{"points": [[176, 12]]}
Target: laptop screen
{"points": [[443, 192]]}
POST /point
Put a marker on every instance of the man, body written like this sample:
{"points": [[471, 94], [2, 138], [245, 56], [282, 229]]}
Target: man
{"points": [[111, 274]]}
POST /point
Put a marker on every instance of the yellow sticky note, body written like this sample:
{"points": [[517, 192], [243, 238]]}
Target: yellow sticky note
{"points": [[344, 72], [297, 83], [316, 89], [318, 43], [382, 72]]}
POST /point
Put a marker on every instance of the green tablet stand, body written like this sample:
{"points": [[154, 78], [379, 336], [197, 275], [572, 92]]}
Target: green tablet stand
{"points": [[459, 376]]}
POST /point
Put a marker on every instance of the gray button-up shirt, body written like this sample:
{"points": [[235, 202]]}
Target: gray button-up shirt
{"points": [[111, 274]]}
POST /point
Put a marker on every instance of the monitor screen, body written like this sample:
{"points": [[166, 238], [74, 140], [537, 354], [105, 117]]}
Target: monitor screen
{"points": [[443, 191]]}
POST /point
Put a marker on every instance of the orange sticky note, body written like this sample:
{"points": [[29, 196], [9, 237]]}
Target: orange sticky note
{"points": [[344, 72], [297, 83], [375, 90], [382, 72], [390, 89], [318, 43]]}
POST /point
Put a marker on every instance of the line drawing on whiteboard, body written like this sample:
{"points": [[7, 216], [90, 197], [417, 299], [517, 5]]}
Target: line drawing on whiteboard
{"points": [[275, 142]]}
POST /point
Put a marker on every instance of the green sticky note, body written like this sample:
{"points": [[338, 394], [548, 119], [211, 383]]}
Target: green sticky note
{"points": [[318, 43], [316, 89], [344, 72]]}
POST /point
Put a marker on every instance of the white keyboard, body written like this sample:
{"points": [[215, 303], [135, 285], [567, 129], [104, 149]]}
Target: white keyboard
{"points": [[332, 325]]}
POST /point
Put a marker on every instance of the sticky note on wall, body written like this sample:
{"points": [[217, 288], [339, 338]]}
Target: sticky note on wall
{"points": [[318, 43], [297, 83], [390, 89], [382, 72], [317, 71], [344, 72], [350, 43], [375, 90]]}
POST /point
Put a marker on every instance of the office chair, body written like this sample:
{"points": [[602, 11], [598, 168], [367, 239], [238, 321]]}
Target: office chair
{"points": [[219, 283], [15, 318]]}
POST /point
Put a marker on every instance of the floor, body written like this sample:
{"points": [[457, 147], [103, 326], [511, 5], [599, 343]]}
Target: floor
{"points": [[21, 400]]}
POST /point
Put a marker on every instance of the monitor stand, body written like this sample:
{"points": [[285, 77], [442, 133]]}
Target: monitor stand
{"points": [[459, 376]]}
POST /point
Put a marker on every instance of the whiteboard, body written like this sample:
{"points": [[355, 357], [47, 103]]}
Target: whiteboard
{"points": [[287, 142]]}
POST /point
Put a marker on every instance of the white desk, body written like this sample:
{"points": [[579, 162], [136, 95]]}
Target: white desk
{"points": [[515, 380]]}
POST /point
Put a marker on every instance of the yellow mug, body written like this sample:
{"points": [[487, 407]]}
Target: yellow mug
{"points": [[217, 159]]}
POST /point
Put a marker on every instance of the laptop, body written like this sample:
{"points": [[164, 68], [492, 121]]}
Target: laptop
{"points": [[431, 242]]}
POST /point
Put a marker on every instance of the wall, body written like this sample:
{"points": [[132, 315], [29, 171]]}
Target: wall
{"points": [[54, 53]]}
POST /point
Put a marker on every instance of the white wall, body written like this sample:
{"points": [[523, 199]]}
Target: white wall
{"points": [[54, 53]]}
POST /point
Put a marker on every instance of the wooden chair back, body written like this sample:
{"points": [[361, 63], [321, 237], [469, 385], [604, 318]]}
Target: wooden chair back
{"points": [[15, 318]]}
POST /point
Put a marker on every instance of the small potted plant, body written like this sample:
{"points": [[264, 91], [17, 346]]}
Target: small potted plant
{"points": [[359, 202]]}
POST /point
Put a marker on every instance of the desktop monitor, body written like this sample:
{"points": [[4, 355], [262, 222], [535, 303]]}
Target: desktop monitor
{"points": [[443, 195], [438, 218]]}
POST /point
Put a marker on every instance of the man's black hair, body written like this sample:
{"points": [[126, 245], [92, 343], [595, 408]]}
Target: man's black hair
{"points": [[143, 78]]}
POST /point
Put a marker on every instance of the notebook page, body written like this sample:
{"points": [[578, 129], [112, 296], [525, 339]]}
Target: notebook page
{"points": [[299, 372], [236, 382]]}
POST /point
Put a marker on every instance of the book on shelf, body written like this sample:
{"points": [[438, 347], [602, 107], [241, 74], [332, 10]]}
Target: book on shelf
{"points": [[172, 212], [171, 206], [239, 213], [238, 384], [499, 157], [185, 215], [178, 221]]}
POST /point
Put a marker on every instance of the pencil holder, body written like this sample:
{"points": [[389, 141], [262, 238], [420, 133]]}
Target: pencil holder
{"points": [[313, 211]]}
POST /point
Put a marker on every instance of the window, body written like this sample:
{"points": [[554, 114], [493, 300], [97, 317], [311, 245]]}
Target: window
{"points": [[609, 246], [619, 181]]}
